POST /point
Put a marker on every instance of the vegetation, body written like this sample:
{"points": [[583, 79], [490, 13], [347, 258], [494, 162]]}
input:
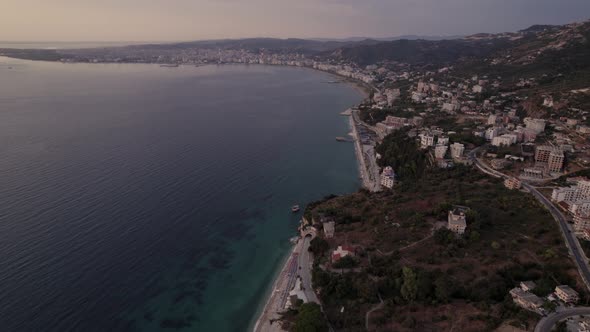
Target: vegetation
{"points": [[510, 238], [401, 152], [310, 319]]}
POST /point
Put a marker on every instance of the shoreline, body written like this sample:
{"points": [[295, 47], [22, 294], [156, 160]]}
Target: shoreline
{"points": [[278, 283]]}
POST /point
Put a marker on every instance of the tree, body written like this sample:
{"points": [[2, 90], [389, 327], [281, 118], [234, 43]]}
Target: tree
{"points": [[443, 236], [318, 246], [443, 288], [346, 262], [310, 319], [410, 284]]}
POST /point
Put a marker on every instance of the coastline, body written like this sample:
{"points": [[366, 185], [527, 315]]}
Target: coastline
{"points": [[282, 284], [280, 280]]}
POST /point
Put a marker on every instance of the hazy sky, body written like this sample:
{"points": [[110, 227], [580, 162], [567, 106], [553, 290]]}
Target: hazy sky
{"points": [[160, 20]]}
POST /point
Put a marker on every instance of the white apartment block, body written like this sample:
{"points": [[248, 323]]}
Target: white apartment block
{"points": [[440, 151], [426, 140], [457, 150], [501, 141], [388, 177]]}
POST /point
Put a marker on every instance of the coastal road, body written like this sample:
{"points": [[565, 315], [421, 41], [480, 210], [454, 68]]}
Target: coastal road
{"points": [[369, 171], [570, 240], [547, 323], [305, 266]]}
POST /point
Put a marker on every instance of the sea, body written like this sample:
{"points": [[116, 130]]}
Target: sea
{"points": [[135, 197]]}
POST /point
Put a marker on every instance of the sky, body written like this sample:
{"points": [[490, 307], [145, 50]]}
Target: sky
{"points": [[179, 20]]}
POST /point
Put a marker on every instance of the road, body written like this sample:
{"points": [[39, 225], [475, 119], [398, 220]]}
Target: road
{"points": [[305, 267], [369, 171], [570, 240], [547, 323]]}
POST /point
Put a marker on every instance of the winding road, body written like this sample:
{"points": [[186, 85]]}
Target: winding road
{"points": [[547, 323]]}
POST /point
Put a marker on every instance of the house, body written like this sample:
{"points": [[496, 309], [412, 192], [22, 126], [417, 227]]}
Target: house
{"points": [[525, 299], [528, 286], [567, 294], [512, 183], [341, 252], [457, 222], [329, 229]]}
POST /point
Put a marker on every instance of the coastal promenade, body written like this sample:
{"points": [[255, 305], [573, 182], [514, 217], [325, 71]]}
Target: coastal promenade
{"points": [[365, 155], [299, 264]]}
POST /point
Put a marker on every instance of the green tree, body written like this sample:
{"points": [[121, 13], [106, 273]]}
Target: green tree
{"points": [[443, 236], [443, 288], [318, 246], [409, 289], [310, 319]]}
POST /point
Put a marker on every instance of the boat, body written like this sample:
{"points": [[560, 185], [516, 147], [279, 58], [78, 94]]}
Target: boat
{"points": [[341, 139], [295, 208], [170, 65]]}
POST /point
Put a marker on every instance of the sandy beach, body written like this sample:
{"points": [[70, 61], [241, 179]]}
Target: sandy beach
{"points": [[282, 285]]}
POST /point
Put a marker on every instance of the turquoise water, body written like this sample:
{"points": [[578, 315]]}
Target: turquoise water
{"points": [[141, 198]]}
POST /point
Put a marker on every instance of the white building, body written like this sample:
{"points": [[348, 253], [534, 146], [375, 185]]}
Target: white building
{"points": [[388, 177], [440, 151], [565, 194], [477, 88], [502, 141], [457, 150], [426, 140]]}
